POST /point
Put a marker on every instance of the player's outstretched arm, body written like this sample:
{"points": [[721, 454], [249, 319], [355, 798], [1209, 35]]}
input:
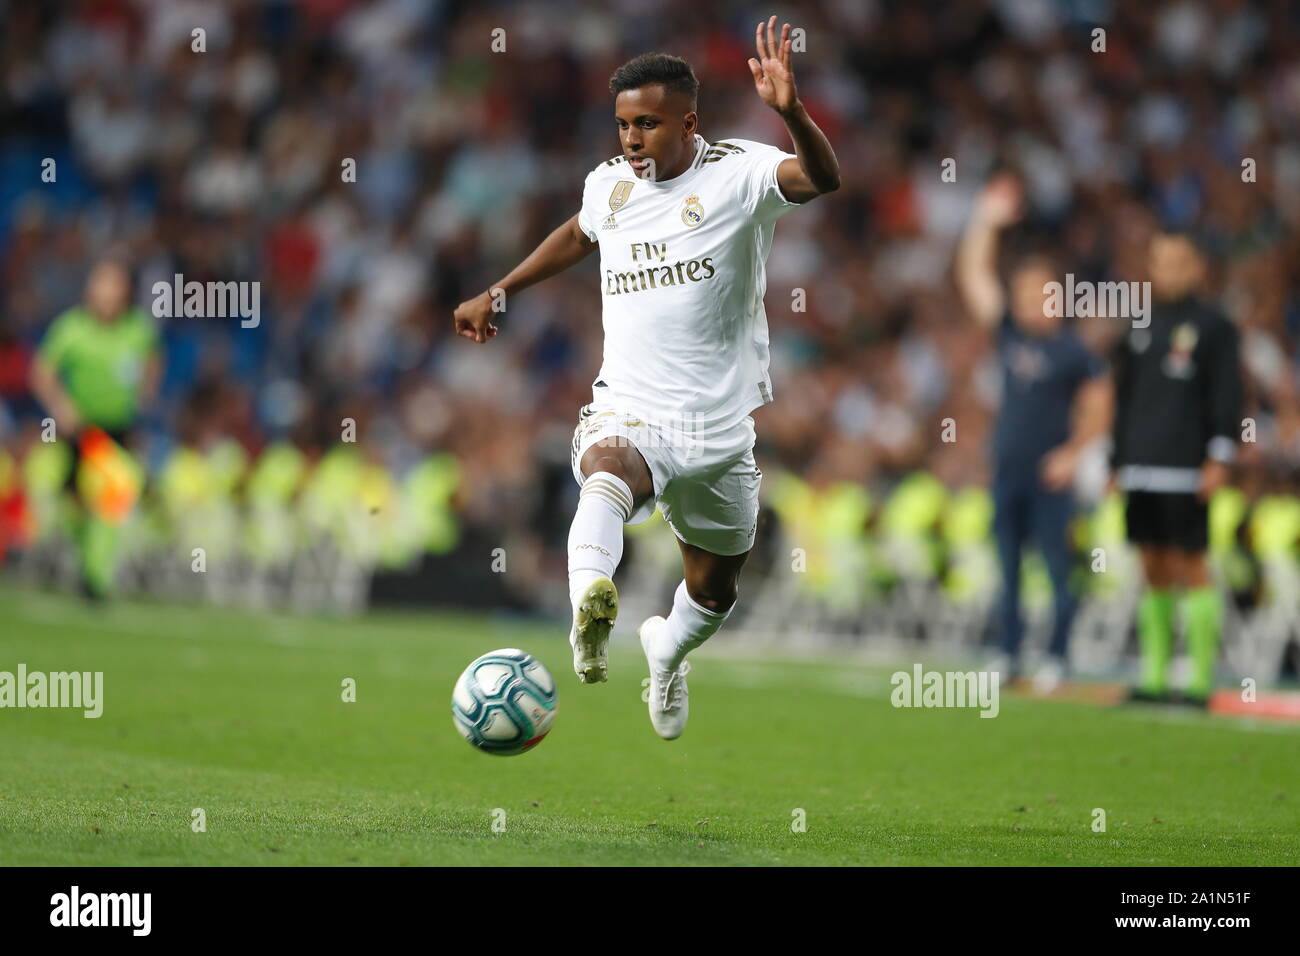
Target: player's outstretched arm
{"points": [[1224, 407], [566, 246], [997, 207], [50, 392], [816, 170]]}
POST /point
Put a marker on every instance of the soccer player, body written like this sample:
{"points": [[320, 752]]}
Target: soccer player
{"points": [[1055, 402], [1178, 389], [96, 367], [684, 227]]}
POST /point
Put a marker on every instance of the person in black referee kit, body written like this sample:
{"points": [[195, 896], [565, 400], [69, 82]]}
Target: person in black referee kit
{"points": [[1178, 391], [1055, 402]]}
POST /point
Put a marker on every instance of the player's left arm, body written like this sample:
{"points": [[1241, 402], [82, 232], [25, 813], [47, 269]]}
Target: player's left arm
{"points": [[815, 171], [1224, 399], [45, 380], [1092, 410]]}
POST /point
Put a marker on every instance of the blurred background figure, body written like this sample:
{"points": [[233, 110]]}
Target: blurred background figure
{"points": [[96, 367], [98, 363], [1178, 422], [1055, 404]]}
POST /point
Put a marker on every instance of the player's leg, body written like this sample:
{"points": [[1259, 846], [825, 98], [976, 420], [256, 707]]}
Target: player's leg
{"points": [[1052, 513], [1010, 528], [100, 534], [79, 521], [1202, 616], [703, 601], [1145, 521], [616, 482], [1202, 605], [93, 538], [1156, 620], [714, 515]]}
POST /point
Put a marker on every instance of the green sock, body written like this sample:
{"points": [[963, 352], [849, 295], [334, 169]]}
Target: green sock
{"points": [[1203, 609], [99, 554], [1156, 638]]}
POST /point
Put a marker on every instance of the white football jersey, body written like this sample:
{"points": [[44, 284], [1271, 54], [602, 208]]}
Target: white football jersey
{"points": [[682, 272]]}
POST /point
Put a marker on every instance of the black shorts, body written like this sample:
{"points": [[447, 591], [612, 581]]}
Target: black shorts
{"points": [[1167, 520]]}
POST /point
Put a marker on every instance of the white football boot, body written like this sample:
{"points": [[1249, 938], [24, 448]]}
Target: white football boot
{"points": [[668, 697], [589, 637], [1049, 676]]}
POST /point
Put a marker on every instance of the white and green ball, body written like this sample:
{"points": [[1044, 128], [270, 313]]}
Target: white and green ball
{"points": [[504, 702]]}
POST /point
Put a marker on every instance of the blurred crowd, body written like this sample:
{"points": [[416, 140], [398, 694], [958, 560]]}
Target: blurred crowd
{"points": [[470, 144]]}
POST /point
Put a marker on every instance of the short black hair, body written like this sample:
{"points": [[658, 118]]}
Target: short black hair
{"points": [[672, 72]]}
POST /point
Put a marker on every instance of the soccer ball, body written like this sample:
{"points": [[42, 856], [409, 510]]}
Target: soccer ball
{"points": [[504, 702]]}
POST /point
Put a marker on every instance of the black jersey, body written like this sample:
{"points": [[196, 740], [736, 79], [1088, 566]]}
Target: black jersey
{"points": [[1178, 397]]}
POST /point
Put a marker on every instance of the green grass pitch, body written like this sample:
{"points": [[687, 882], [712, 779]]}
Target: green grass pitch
{"points": [[241, 715]]}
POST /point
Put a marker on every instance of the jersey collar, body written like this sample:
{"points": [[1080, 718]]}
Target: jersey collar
{"points": [[701, 147]]}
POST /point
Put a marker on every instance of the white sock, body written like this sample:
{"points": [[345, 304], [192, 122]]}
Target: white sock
{"points": [[689, 625], [596, 535]]}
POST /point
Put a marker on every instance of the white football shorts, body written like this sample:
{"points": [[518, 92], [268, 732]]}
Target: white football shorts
{"points": [[705, 480]]}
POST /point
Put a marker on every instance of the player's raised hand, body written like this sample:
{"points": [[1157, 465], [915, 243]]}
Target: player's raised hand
{"points": [[773, 77], [1000, 202], [474, 318]]}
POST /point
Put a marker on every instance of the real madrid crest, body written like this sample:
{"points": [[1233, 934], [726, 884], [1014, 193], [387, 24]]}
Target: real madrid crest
{"points": [[692, 212], [1178, 361], [1184, 338], [618, 198]]}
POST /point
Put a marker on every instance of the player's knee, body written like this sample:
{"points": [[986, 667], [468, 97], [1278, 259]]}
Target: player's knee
{"points": [[615, 461], [1156, 568], [714, 596], [1194, 569], [611, 464]]}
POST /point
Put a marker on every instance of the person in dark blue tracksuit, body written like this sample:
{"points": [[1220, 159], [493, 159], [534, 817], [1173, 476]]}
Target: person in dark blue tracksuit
{"points": [[1055, 402]]}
